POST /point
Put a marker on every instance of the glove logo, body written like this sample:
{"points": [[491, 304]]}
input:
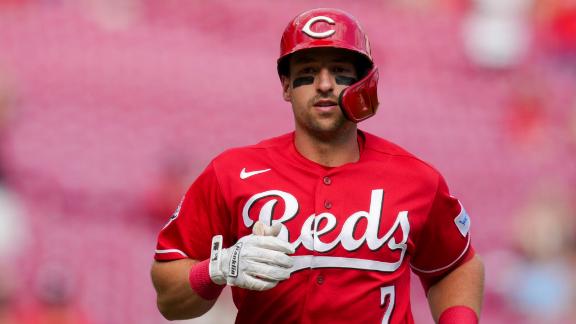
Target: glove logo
{"points": [[308, 31], [234, 260]]}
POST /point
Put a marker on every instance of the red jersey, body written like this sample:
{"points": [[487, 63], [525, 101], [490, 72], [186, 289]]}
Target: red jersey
{"points": [[358, 228]]}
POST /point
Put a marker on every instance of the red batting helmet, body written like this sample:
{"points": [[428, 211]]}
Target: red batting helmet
{"points": [[326, 27]]}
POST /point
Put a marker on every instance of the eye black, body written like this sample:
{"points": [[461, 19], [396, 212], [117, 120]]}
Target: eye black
{"points": [[300, 81], [345, 80]]}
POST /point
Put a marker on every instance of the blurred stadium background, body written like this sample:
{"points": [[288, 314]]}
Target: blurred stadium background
{"points": [[110, 108]]}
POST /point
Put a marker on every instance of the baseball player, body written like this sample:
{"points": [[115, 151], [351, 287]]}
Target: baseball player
{"points": [[324, 224]]}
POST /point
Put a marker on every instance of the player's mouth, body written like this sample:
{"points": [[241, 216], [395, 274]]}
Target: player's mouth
{"points": [[325, 104]]}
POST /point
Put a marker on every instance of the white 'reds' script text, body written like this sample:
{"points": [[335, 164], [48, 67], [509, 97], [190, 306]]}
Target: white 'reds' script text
{"points": [[310, 236]]}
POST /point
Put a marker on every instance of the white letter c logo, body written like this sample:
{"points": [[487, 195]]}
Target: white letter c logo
{"points": [[312, 21]]}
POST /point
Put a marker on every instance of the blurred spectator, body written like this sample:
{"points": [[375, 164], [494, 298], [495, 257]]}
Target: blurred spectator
{"points": [[162, 199], [428, 5], [572, 122], [110, 14], [417, 4], [8, 99], [56, 299], [538, 282], [8, 311], [13, 3], [12, 224], [559, 22], [497, 33], [525, 116]]}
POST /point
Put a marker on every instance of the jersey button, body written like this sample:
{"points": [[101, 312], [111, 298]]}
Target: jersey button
{"points": [[327, 180], [320, 279], [327, 204]]}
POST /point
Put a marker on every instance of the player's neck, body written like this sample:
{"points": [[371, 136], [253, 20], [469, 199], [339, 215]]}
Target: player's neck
{"points": [[337, 151]]}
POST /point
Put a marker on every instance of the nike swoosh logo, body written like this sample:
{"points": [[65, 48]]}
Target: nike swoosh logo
{"points": [[245, 174]]}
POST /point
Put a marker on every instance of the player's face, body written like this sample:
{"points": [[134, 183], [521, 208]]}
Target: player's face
{"points": [[317, 76]]}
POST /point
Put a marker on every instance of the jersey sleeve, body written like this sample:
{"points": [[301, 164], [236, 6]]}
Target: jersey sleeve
{"points": [[201, 214], [444, 242]]}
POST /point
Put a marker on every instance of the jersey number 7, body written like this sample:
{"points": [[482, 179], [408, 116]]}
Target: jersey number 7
{"points": [[387, 298]]}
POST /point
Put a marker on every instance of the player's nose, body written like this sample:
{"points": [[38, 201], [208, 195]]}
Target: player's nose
{"points": [[325, 81]]}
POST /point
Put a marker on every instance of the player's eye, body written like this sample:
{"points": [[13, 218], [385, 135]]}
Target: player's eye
{"points": [[339, 69], [307, 70], [343, 69]]}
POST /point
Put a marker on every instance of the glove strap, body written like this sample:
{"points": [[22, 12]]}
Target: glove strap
{"points": [[215, 268]]}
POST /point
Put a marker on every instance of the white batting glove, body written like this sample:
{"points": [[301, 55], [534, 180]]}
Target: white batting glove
{"points": [[257, 261]]}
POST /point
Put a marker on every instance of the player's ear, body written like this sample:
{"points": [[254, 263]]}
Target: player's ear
{"points": [[286, 91]]}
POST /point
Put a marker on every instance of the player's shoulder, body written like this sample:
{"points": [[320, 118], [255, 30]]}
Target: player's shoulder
{"points": [[253, 151], [390, 152]]}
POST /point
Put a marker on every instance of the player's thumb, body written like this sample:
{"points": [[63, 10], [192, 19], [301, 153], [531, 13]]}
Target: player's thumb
{"points": [[265, 230], [274, 230]]}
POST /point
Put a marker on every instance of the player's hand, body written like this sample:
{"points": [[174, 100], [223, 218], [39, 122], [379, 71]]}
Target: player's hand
{"points": [[257, 261]]}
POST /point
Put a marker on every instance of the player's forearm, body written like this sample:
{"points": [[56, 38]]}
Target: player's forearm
{"points": [[175, 298], [463, 286]]}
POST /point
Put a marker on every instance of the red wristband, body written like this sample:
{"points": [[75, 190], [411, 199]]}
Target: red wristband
{"points": [[458, 315], [201, 283]]}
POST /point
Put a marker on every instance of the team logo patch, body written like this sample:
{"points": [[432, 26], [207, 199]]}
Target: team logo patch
{"points": [[308, 31], [462, 221], [175, 214]]}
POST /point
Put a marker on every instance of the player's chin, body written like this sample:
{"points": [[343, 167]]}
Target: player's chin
{"points": [[329, 125]]}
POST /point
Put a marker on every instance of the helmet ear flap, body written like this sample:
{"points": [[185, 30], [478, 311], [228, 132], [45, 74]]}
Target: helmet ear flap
{"points": [[360, 100]]}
